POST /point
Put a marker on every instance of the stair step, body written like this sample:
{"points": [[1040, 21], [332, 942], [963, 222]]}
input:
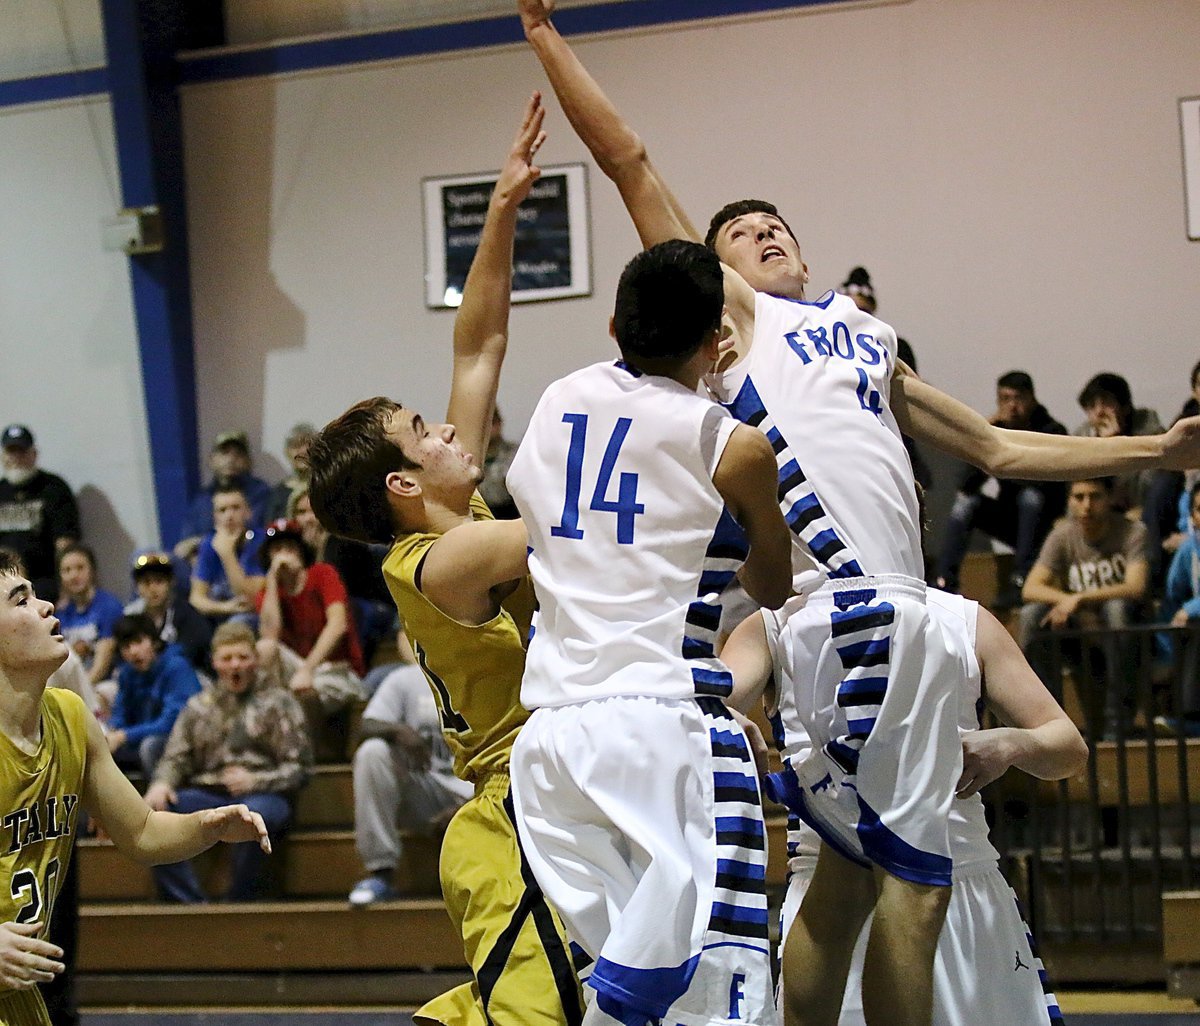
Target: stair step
{"points": [[267, 936], [313, 864]]}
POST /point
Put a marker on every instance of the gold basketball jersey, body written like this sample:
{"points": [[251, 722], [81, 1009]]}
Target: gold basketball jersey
{"points": [[475, 672], [39, 808]]}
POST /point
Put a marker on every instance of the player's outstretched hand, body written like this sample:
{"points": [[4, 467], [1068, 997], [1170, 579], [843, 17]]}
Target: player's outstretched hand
{"points": [[24, 959], [1181, 450], [519, 171], [535, 12], [234, 824]]}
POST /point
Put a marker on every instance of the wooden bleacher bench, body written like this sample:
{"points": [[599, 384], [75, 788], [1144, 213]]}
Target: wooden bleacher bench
{"points": [[125, 929], [1181, 943]]}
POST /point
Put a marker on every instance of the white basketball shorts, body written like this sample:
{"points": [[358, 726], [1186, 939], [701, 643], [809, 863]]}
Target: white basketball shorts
{"points": [[642, 821], [874, 680]]}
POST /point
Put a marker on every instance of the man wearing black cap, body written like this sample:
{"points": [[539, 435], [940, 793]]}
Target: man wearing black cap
{"points": [[230, 465], [38, 514]]}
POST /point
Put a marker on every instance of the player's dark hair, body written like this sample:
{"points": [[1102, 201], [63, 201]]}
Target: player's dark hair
{"points": [[133, 626], [349, 461], [80, 549], [1018, 381], [1107, 385], [669, 300], [737, 209], [10, 564]]}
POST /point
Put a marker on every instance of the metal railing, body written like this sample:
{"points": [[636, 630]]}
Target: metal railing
{"points": [[1090, 857]]}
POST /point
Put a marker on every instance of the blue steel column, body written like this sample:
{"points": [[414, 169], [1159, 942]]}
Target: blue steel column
{"points": [[146, 121]]}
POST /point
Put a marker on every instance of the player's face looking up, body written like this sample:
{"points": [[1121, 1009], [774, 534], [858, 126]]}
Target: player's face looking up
{"points": [[759, 247], [236, 665], [29, 632], [442, 465]]}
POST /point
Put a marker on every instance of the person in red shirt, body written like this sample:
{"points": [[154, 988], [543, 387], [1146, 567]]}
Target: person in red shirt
{"points": [[304, 621]]}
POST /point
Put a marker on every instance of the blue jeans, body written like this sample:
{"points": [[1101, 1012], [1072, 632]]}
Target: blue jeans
{"points": [[178, 881]]}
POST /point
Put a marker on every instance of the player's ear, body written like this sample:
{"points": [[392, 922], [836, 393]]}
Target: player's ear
{"points": [[804, 271], [403, 483], [612, 328]]}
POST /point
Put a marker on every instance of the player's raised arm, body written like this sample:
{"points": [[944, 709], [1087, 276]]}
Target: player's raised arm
{"points": [[481, 326], [156, 838], [932, 416], [615, 146], [748, 481]]}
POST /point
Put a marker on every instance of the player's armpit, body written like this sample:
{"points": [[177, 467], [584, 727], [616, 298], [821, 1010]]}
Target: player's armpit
{"points": [[748, 481], [466, 563]]}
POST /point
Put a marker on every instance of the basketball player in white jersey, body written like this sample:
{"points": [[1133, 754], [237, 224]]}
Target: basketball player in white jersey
{"points": [[822, 380], [635, 791], [985, 969]]}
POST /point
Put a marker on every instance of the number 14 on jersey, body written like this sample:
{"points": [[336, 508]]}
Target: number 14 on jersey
{"points": [[625, 506]]}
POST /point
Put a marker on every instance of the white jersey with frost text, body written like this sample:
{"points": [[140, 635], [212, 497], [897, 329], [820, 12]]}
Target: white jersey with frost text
{"points": [[816, 381], [630, 542]]}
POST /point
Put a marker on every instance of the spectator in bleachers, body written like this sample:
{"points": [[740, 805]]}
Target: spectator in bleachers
{"points": [[227, 575], [1108, 403], [295, 448], [361, 569], [1165, 506], [244, 739], [859, 288], [154, 683], [305, 625], [499, 457], [230, 464], [1181, 607], [1021, 513], [403, 778], [178, 623], [1092, 573], [38, 513], [86, 612]]}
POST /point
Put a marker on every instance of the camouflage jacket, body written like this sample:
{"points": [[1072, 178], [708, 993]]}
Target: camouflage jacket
{"points": [[263, 729]]}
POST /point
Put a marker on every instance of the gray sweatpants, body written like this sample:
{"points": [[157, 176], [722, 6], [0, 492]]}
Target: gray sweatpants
{"points": [[390, 797]]}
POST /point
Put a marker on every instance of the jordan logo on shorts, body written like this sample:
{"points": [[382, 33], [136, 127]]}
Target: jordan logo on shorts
{"points": [[1020, 964]]}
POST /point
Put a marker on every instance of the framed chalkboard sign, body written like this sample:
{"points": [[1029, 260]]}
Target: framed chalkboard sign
{"points": [[1189, 123], [552, 252]]}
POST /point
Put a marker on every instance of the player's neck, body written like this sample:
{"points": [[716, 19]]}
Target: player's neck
{"points": [[440, 519], [21, 708]]}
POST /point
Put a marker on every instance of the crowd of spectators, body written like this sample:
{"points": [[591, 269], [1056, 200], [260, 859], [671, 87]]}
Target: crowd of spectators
{"points": [[225, 659], [219, 666]]}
